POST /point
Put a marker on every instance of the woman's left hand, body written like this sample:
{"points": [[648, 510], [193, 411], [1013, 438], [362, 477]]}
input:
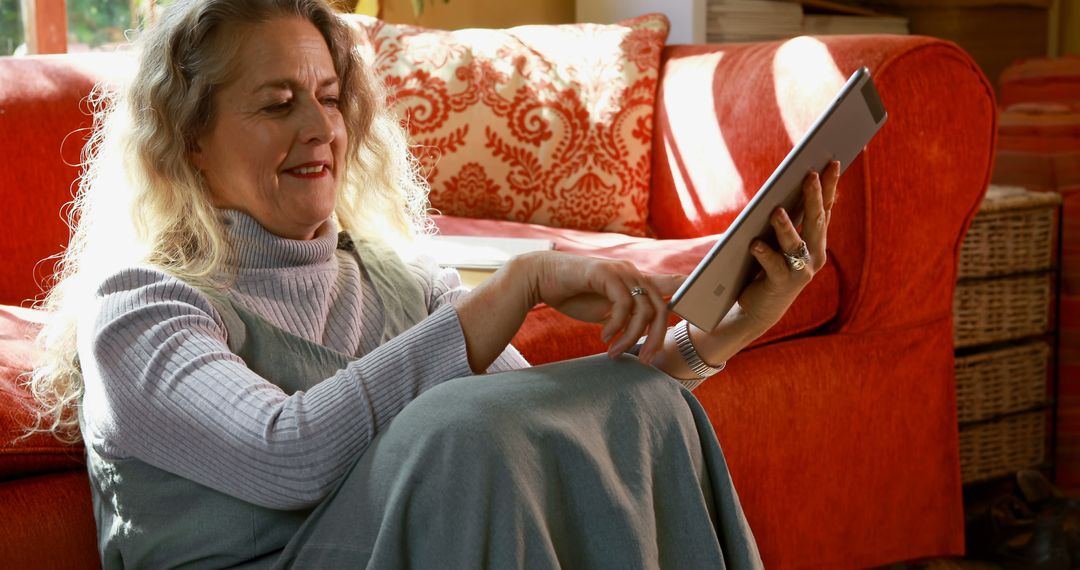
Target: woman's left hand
{"points": [[768, 297]]}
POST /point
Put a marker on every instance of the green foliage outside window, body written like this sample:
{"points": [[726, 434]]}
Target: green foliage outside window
{"points": [[98, 22], [11, 28]]}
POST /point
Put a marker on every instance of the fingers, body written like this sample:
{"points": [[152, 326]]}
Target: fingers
{"points": [[604, 291], [644, 311], [814, 220], [622, 305], [831, 178], [649, 313], [633, 316], [819, 194], [660, 288], [786, 235], [772, 261], [819, 236], [776, 267]]}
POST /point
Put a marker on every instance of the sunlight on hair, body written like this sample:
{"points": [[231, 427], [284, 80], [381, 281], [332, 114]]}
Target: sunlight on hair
{"points": [[141, 203], [714, 185], [804, 71]]}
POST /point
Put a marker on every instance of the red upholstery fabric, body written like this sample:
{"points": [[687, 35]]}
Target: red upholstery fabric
{"points": [[45, 123], [21, 456], [892, 487], [840, 430], [48, 523]]}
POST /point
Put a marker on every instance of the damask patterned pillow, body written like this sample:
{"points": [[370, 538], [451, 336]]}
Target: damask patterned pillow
{"points": [[542, 124]]}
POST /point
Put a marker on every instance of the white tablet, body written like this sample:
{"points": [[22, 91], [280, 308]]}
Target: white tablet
{"points": [[840, 133]]}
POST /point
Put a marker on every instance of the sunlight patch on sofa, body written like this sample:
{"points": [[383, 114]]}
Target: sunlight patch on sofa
{"points": [[715, 185], [804, 71]]}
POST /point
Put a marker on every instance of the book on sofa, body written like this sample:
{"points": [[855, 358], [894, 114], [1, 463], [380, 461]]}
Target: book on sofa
{"points": [[477, 257], [483, 252]]}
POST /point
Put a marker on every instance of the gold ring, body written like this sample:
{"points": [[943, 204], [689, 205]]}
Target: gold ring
{"points": [[798, 258]]}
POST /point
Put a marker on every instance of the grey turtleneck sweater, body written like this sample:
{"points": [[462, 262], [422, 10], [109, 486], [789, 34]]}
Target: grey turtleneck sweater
{"points": [[162, 386]]}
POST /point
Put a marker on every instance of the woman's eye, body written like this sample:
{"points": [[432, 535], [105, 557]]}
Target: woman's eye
{"points": [[332, 102], [278, 107]]}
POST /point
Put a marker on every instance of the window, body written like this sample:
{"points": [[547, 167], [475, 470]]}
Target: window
{"points": [[56, 26], [11, 27], [99, 24]]}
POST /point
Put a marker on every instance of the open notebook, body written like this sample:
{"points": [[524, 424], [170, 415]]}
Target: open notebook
{"points": [[477, 257]]}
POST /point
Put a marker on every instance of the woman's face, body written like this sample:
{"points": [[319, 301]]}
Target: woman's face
{"points": [[276, 144]]}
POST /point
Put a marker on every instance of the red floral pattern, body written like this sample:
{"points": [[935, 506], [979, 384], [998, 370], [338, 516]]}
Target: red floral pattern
{"points": [[472, 191], [541, 124]]}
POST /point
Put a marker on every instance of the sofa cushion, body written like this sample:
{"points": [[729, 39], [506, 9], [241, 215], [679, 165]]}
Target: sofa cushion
{"points": [[40, 452], [543, 124], [48, 522], [548, 335]]}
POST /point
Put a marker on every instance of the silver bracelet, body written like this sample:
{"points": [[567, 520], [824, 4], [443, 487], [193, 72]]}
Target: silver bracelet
{"points": [[690, 354]]}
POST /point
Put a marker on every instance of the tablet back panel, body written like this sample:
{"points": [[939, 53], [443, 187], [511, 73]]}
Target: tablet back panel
{"points": [[840, 133]]}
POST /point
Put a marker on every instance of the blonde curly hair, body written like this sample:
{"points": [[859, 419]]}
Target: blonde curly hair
{"points": [[140, 201]]}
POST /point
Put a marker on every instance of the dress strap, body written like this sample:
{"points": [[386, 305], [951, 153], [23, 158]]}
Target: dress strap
{"points": [[235, 328], [396, 287]]}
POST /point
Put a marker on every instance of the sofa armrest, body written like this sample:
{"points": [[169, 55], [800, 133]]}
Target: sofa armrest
{"points": [[728, 114]]}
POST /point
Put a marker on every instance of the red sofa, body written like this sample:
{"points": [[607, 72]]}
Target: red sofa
{"points": [[839, 425]]}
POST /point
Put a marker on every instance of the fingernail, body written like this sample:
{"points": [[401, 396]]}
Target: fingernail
{"points": [[758, 247]]}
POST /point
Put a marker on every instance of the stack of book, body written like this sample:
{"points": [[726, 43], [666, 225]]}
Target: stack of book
{"points": [[752, 20], [834, 24], [764, 20]]}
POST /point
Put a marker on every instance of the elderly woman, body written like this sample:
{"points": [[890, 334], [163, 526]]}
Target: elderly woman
{"points": [[265, 375]]}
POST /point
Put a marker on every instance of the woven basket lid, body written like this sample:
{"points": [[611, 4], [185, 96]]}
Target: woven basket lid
{"points": [[1016, 198]]}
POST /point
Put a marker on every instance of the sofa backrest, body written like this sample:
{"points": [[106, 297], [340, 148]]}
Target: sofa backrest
{"points": [[44, 121], [728, 114]]}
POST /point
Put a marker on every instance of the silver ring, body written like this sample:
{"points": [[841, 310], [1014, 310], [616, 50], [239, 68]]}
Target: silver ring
{"points": [[798, 258], [637, 291]]}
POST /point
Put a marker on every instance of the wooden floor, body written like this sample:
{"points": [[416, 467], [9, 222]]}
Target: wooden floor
{"points": [[943, 564], [953, 564]]}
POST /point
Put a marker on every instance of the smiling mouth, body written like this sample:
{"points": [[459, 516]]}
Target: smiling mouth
{"points": [[317, 170]]}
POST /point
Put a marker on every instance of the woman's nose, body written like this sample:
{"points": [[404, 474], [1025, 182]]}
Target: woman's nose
{"points": [[316, 126]]}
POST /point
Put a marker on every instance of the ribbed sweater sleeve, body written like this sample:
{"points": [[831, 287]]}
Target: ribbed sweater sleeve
{"points": [[442, 286], [162, 386]]}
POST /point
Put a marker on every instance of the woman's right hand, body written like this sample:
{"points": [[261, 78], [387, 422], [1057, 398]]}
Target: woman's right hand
{"points": [[599, 291], [585, 288]]}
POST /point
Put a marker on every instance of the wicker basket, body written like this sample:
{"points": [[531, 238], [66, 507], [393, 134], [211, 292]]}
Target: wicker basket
{"points": [[1003, 380], [1013, 232], [999, 448], [1003, 308]]}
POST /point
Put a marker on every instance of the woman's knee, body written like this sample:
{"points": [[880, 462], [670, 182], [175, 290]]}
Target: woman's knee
{"points": [[461, 409]]}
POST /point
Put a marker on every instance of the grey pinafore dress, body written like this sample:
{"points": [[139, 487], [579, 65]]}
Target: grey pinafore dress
{"points": [[590, 463]]}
